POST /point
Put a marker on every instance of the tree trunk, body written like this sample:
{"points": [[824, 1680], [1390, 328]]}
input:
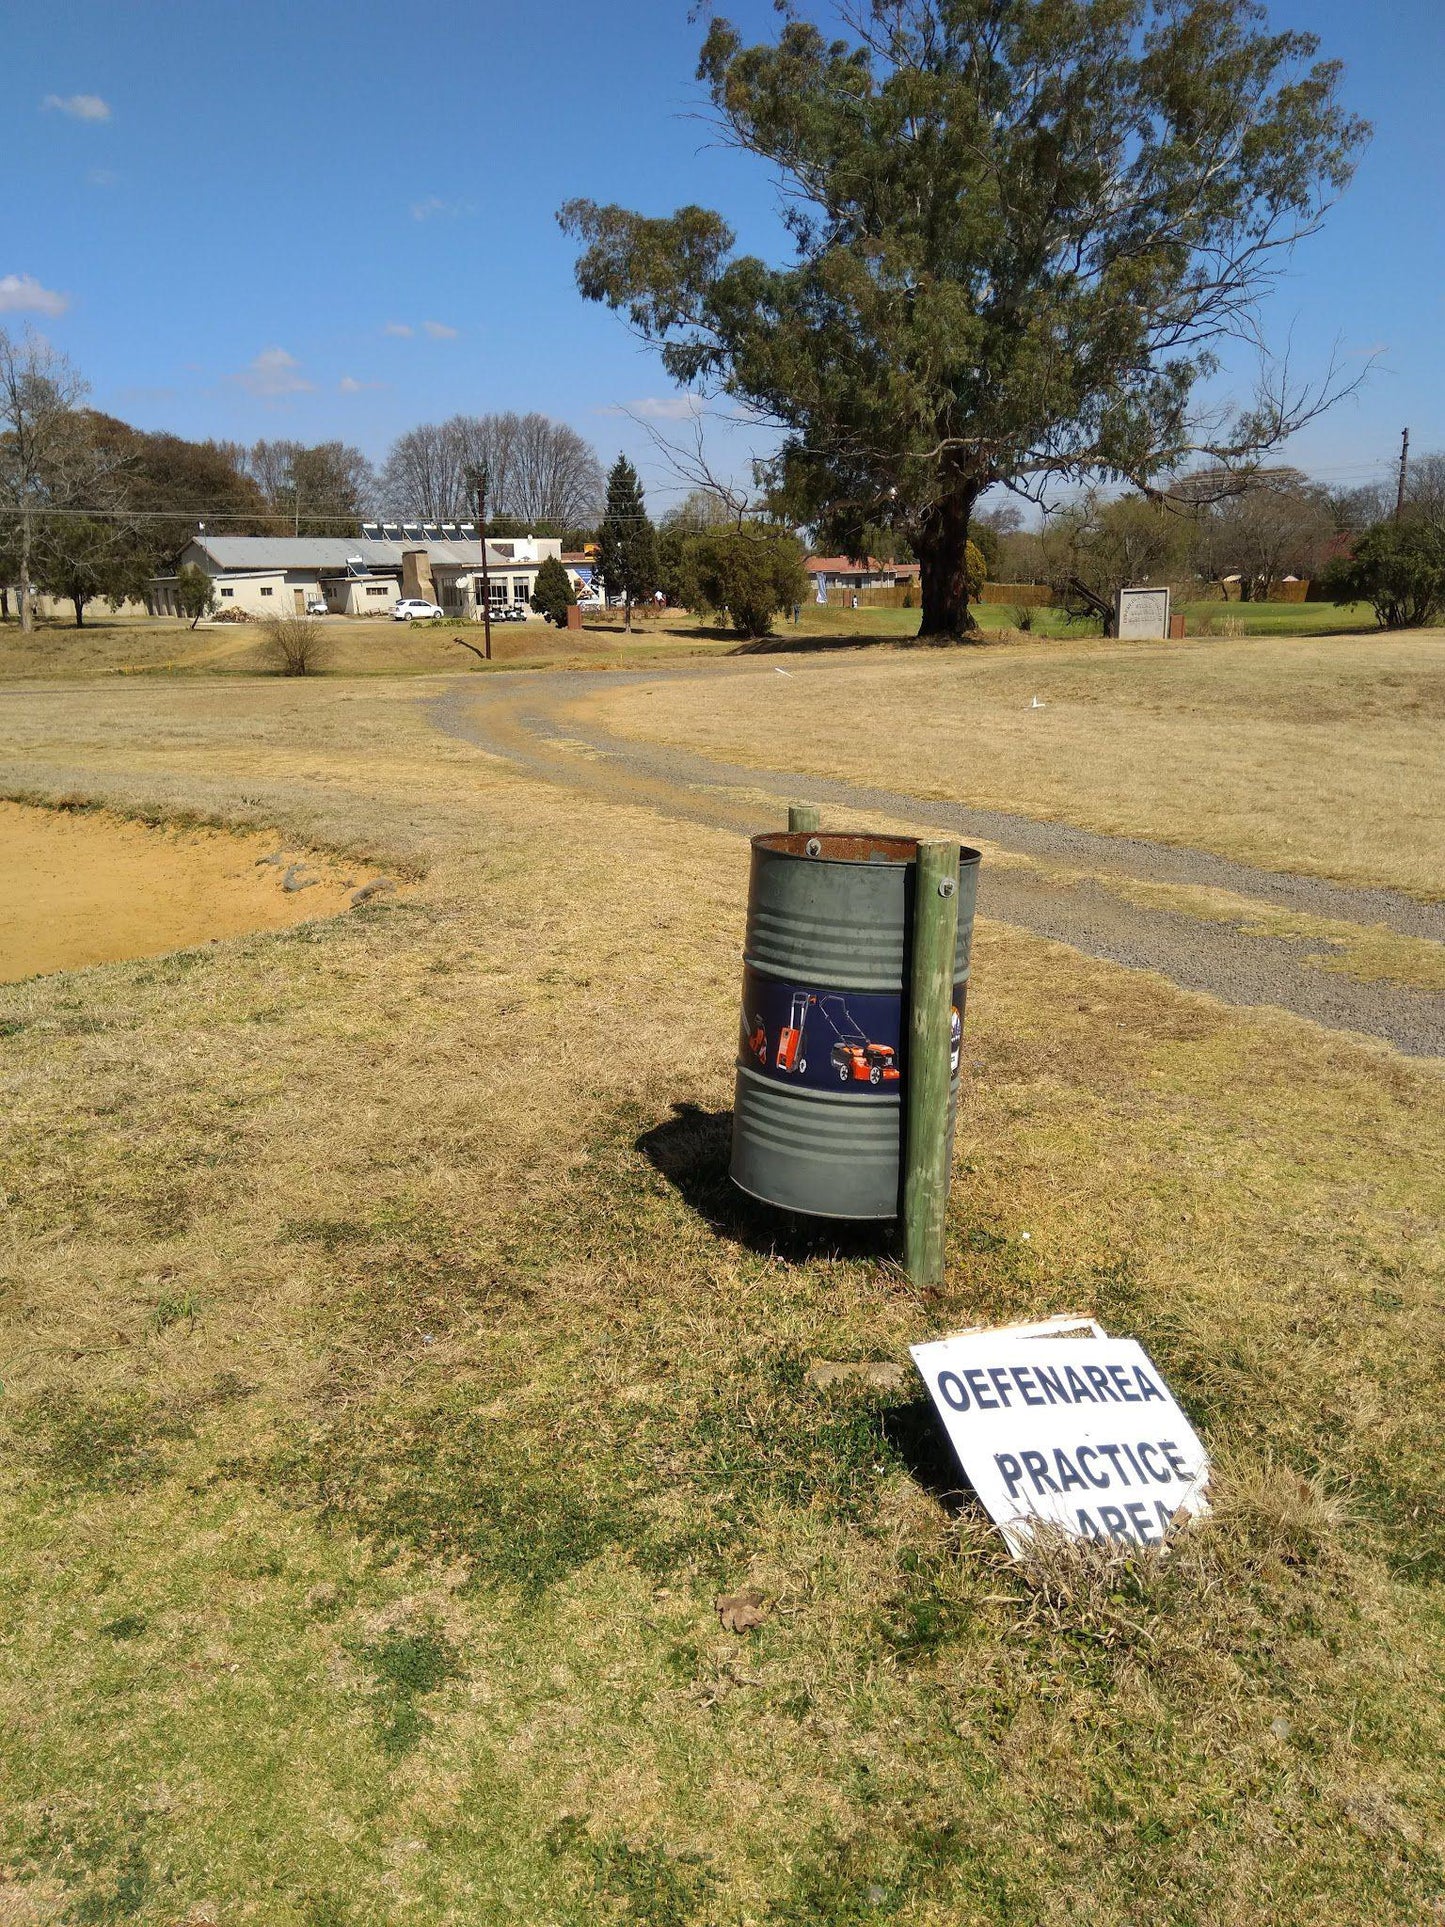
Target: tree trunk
{"points": [[942, 546], [627, 613], [79, 602]]}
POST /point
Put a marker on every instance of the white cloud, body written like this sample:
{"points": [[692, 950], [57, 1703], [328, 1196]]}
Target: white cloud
{"points": [[102, 177], [667, 408], [23, 294], [403, 329], [439, 331], [349, 385], [78, 106], [433, 208], [655, 408], [273, 373]]}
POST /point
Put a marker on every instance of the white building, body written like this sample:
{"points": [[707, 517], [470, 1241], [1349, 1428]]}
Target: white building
{"points": [[365, 575]]}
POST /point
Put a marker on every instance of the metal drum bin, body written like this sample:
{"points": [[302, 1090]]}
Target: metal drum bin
{"points": [[818, 1115]]}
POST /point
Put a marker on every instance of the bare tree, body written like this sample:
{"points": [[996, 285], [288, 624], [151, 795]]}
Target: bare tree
{"points": [[486, 442], [39, 391], [1279, 524], [1425, 490], [269, 464], [329, 484], [423, 474], [538, 470], [555, 476]]}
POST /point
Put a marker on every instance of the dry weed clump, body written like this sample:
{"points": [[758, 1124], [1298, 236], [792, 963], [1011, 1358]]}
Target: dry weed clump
{"points": [[294, 645], [1270, 1534]]}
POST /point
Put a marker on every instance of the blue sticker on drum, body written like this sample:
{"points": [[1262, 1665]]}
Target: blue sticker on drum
{"points": [[828, 1040]]}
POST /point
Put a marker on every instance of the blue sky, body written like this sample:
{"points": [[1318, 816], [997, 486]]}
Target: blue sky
{"points": [[319, 220]]}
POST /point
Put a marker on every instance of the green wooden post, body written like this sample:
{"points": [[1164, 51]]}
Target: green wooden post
{"points": [[804, 816], [930, 1014]]}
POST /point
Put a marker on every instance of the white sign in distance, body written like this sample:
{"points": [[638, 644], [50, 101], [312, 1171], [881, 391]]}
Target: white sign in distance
{"points": [[1142, 615], [1080, 1432]]}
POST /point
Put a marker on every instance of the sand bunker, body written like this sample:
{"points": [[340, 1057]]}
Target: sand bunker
{"points": [[84, 887]]}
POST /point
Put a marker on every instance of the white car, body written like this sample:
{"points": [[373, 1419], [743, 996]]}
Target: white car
{"points": [[413, 609]]}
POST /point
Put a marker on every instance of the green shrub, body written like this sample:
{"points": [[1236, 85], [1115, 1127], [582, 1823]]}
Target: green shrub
{"points": [[1398, 568]]}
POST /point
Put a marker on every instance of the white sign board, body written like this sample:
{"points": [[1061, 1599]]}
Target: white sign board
{"points": [[1081, 1432], [1142, 615]]}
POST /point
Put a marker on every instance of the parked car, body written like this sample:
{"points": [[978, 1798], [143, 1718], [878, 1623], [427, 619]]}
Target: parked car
{"points": [[316, 605], [413, 609]]}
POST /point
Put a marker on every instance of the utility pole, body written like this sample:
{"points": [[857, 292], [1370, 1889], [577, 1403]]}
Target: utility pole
{"points": [[1404, 470], [479, 482]]}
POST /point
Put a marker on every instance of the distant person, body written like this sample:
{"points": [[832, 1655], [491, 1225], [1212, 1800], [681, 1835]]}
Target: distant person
{"points": [[797, 613]]}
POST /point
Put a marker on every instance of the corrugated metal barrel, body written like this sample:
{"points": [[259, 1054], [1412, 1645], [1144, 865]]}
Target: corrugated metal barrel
{"points": [[818, 1117]]}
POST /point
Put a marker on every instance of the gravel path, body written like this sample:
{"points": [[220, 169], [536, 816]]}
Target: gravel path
{"points": [[537, 720]]}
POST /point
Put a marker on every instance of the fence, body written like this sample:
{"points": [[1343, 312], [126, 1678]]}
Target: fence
{"points": [[901, 595], [1276, 592], [1020, 595]]}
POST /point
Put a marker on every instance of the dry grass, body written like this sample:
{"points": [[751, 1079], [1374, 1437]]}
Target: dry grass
{"points": [[1319, 756], [142, 646], [394, 1383]]}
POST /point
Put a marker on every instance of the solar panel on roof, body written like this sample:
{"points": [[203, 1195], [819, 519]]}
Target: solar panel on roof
{"points": [[371, 531]]}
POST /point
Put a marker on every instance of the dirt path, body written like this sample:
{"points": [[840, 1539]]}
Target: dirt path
{"points": [[540, 723]]}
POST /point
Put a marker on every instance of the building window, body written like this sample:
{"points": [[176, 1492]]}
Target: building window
{"points": [[499, 593], [520, 589], [265, 592], [228, 593], [376, 588]]}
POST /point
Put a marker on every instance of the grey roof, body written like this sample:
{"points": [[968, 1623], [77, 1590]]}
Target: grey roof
{"points": [[334, 552]]}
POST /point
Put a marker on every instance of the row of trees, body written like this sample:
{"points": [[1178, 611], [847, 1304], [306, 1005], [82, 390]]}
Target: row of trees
{"points": [[1281, 524], [541, 476]]}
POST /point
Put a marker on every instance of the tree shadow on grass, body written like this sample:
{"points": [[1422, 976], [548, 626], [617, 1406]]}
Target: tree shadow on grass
{"points": [[691, 1150], [794, 642]]}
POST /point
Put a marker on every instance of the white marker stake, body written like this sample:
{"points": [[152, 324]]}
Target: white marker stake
{"points": [[1083, 1433]]}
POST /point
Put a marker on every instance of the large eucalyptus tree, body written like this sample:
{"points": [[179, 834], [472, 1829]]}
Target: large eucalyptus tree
{"points": [[1024, 233]]}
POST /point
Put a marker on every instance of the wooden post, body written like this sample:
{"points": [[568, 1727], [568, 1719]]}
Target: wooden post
{"points": [[930, 1022], [804, 816]]}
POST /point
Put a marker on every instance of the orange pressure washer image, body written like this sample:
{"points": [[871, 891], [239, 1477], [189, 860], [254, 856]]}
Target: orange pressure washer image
{"points": [[790, 1037]]}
